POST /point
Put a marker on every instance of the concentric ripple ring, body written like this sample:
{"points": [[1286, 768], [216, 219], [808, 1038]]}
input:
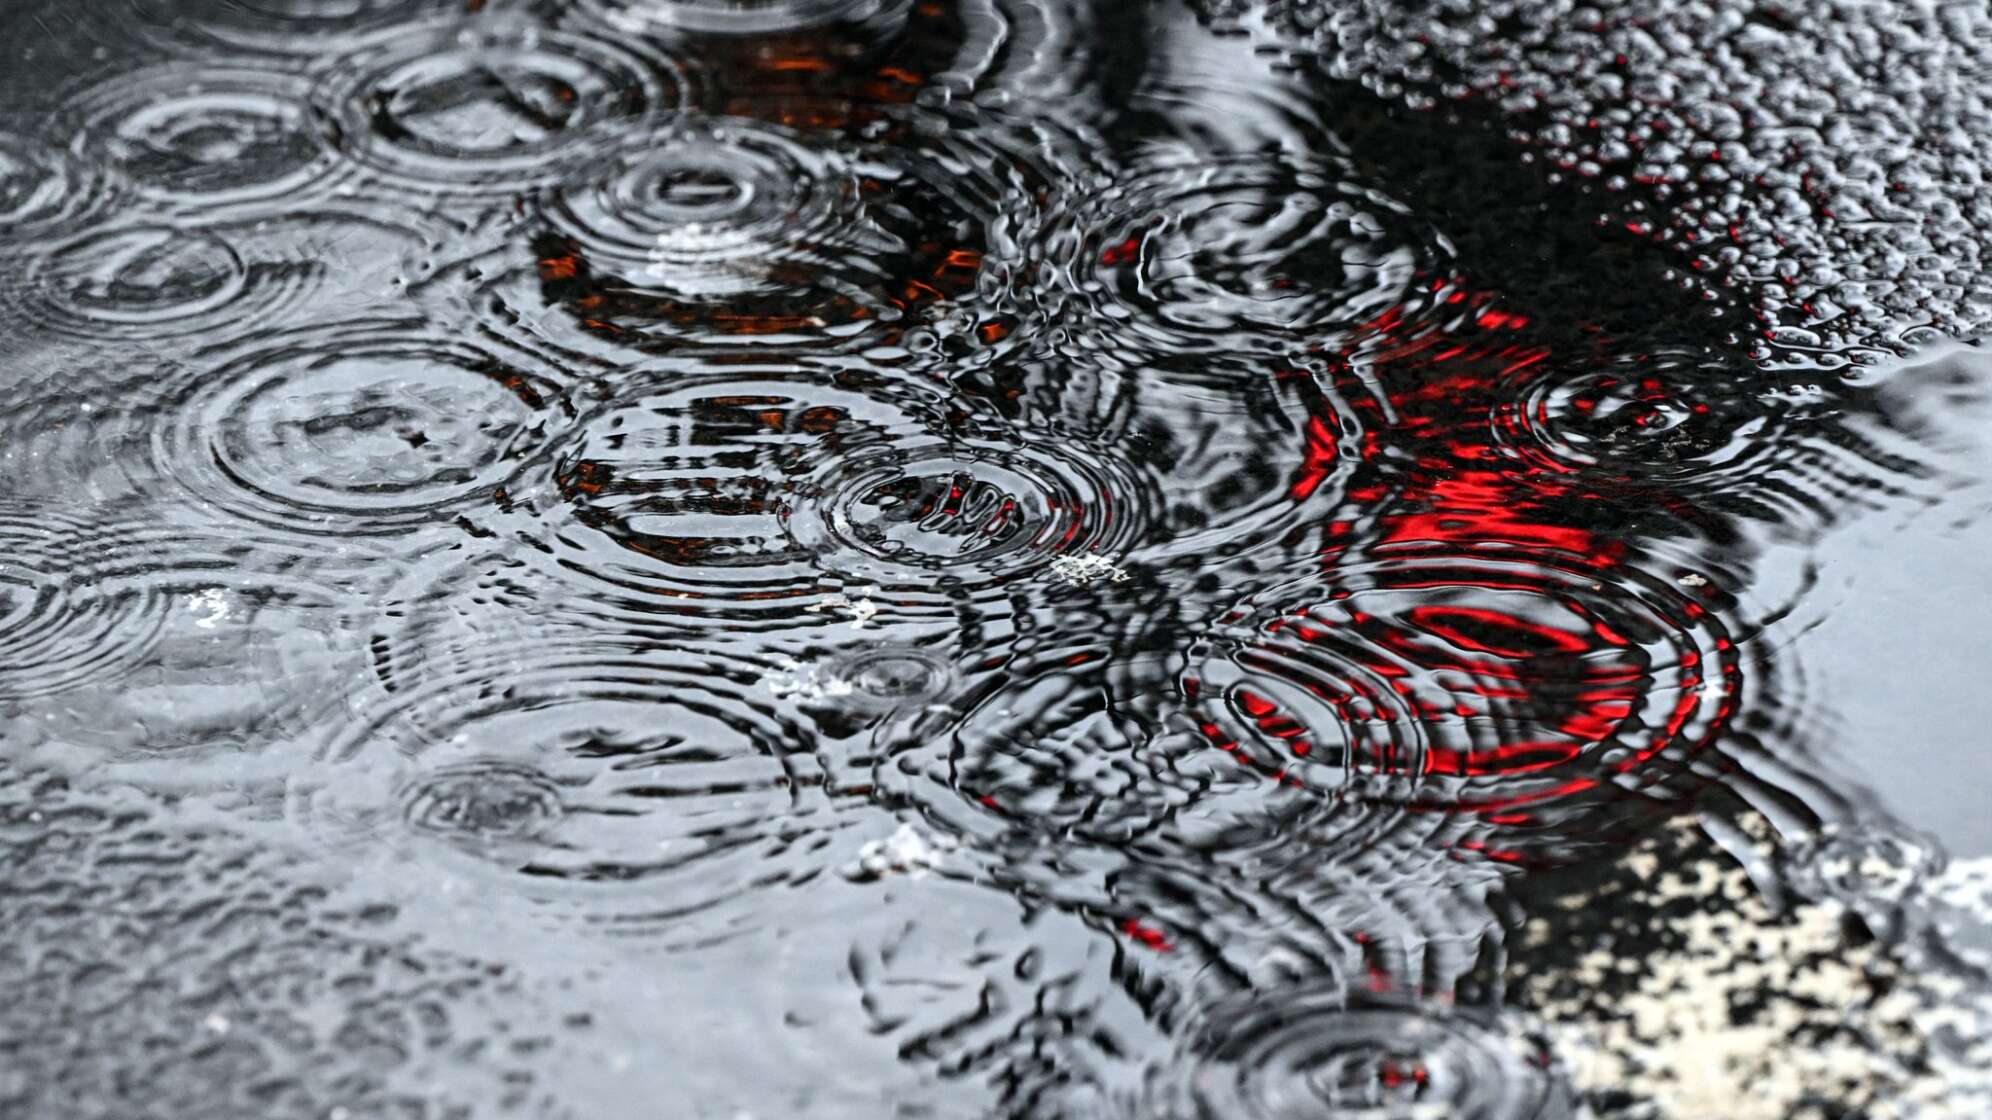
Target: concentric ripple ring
{"points": [[1491, 682], [362, 428], [73, 605], [637, 795], [968, 510], [1307, 1054], [1236, 253], [485, 109], [207, 140]]}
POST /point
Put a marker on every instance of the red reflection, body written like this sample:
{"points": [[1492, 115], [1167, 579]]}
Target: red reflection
{"points": [[1470, 630]]}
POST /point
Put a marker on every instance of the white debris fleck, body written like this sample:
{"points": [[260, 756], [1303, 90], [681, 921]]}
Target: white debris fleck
{"points": [[907, 852], [793, 678], [216, 1023], [861, 609], [1693, 579], [211, 607], [1086, 570]]}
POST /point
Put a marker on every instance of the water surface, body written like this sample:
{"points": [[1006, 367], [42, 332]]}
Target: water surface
{"points": [[993, 558]]}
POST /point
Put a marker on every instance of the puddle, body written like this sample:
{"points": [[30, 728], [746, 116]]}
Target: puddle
{"points": [[1246, 560]]}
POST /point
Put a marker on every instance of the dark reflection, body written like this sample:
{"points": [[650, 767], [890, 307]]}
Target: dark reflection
{"points": [[1018, 558]]}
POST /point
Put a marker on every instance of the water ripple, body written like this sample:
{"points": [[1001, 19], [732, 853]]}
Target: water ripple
{"points": [[1268, 453], [1873, 867], [886, 678], [1187, 253], [1690, 426], [46, 191], [1018, 501], [1515, 687], [687, 490], [152, 281], [74, 603], [287, 28], [486, 108], [363, 427], [1356, 891], [725, 232], [966, 510], [1051, 743], [1314, 1053], [737, 17], [245, 656], [479, 802], [206, 139], [647, 796]]}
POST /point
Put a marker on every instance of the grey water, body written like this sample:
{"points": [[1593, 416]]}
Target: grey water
{"points": [[1042, 559]]}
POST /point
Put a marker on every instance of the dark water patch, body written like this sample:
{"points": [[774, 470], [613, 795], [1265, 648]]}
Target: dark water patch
{"points": [[1738, 177]]}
